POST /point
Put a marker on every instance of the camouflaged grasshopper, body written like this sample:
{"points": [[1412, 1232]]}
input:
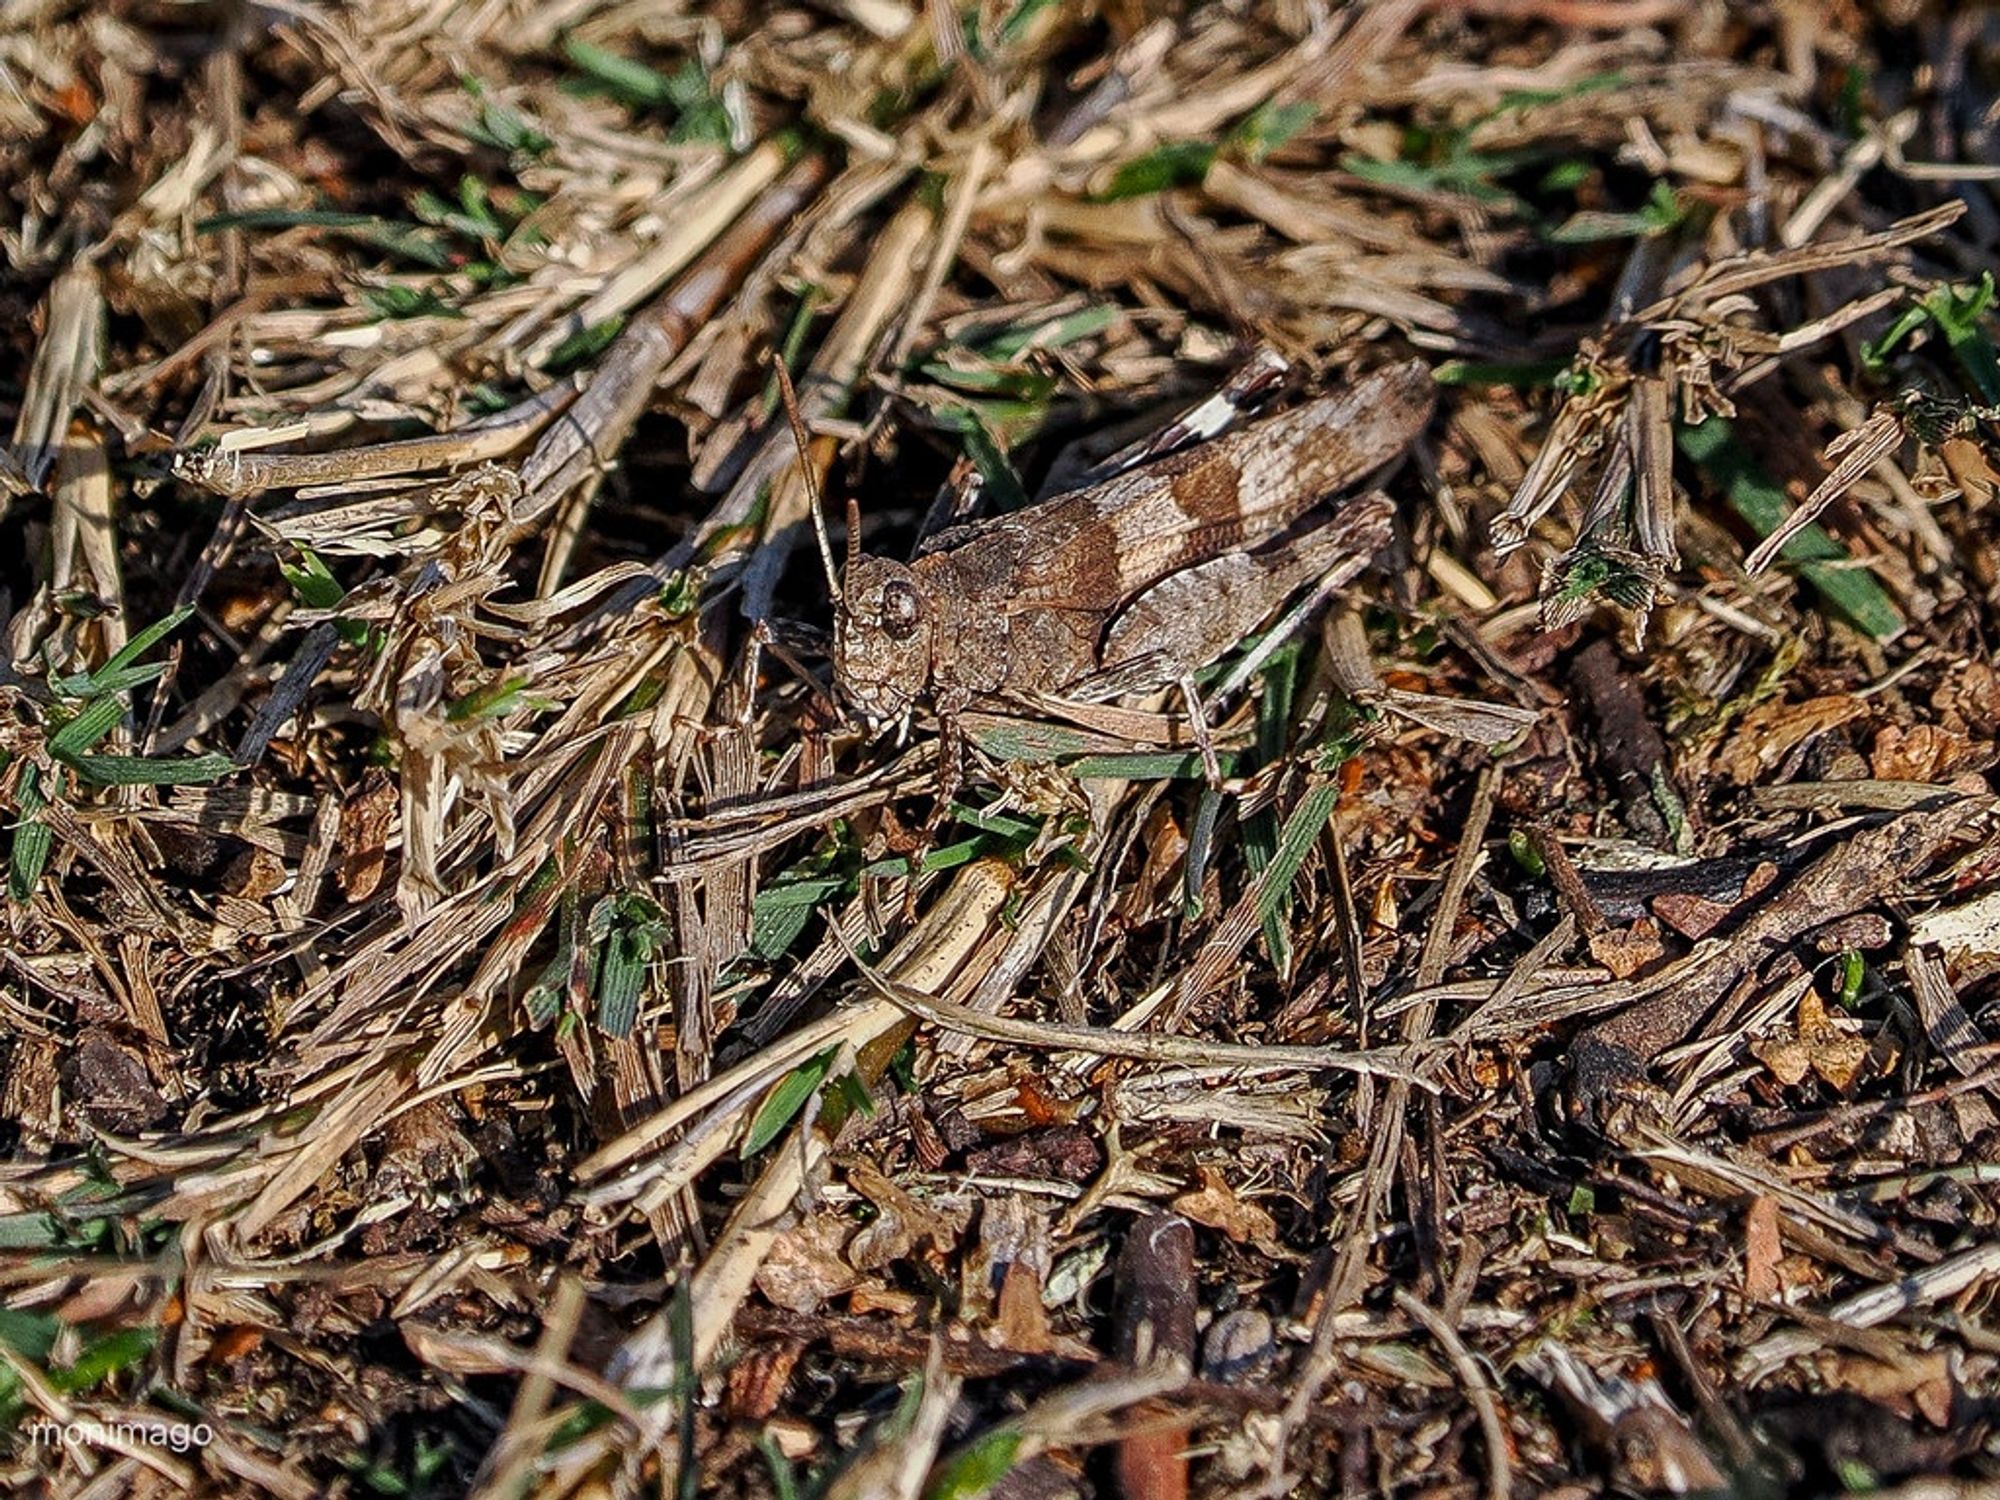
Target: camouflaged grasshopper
{"points": [[1131, 584]]}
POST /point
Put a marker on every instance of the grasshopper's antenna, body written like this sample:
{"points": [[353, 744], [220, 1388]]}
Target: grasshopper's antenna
{"points": [[853, 533], [811, 478]]}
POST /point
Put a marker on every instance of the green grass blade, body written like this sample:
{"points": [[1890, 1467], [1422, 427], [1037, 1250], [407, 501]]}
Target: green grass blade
{"points": [[92, 723], [33, 838], [784, 1102], [137, 770], [1302, 829]]}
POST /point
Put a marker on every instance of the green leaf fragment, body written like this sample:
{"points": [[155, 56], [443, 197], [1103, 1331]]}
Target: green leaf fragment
{"points": [[311, 580], [1016, 25], [1566, 176], [87, 728], [33, 838], [1301, 832], [505, 130], [1054, 333], [121, 671], [782, 1105], [781, 912], [31, 1335], [1260, 833], [1468, 176], [851, 1095], [104, 1358], [1168, 765], [970, 371], [586, 343], [1959, 313], [630, 931], [139, 770], [1853, 970], [409, 241], [1006, 825], [629, 82], [495, 701], [1661, 213], [1002, 483], [944, 857], [1172, 165], [1008, 422], [1593, 83], [397, 301], [976, 1468], [784, 1479], [687, 92], [1519, 375], [31, 1231], [1270, 126]]}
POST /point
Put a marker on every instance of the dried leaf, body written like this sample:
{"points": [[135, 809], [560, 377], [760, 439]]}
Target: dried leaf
{"points": [[1216, 1206]]}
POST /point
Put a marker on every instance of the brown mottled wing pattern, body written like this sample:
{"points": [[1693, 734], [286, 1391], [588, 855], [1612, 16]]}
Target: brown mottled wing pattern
{"points": [[1191, 617], [1095, 549]]}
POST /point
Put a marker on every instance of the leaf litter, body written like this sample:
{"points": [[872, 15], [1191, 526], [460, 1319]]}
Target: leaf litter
{"points": [[484, 1020]]}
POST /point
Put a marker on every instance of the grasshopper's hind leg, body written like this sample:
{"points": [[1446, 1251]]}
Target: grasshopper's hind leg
{"points": [[1193, 617]]}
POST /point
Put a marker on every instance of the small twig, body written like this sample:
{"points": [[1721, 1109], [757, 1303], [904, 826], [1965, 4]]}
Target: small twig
{"points": [[1478, 1390], [1382, 1062], [1583, 908], [235, 471], [1877, 1305]]}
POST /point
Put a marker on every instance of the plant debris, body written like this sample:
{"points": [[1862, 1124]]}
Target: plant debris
{"points": [[488, 1016]]}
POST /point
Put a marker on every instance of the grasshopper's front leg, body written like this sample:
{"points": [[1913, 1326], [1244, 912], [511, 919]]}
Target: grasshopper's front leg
{"points": [[950, 779], [950, 770]]}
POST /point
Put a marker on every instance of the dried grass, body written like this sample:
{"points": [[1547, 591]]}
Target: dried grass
{"points": [[481, 1019]]}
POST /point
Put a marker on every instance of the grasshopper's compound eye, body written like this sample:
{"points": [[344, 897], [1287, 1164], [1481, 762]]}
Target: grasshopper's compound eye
{"points": [[900, 609]]}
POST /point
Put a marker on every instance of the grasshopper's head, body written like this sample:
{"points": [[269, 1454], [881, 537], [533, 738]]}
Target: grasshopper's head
{"points": [[882, 638]]}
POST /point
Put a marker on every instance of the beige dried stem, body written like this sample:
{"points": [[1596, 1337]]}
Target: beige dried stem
{"points": [[236, 468], [581, 449], [1854, 454], [84, 538], [67, 362], [688, 232], [930, 956]]}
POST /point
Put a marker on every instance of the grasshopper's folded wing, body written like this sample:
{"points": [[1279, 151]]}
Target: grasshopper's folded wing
{"points": [[1099, 547]]}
